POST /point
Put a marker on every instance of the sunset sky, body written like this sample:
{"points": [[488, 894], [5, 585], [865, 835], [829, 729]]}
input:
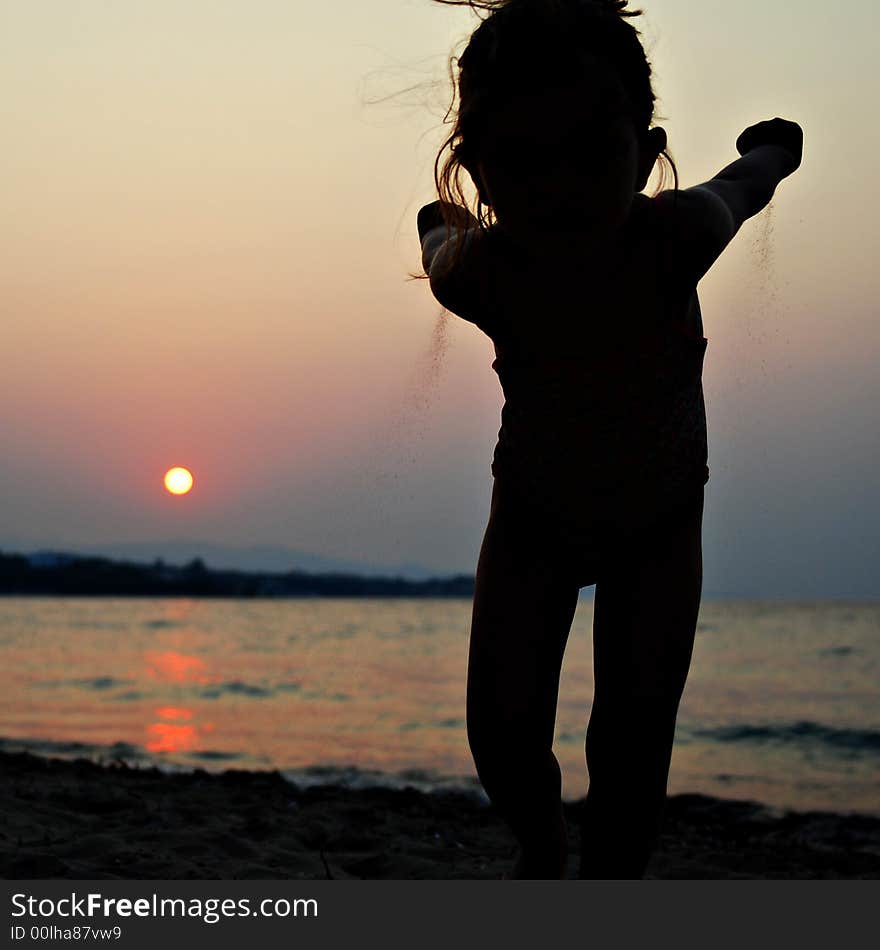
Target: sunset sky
{"points": [[209, 215]]}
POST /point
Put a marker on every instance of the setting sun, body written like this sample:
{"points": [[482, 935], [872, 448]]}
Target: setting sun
{"points": [[178, 480]]}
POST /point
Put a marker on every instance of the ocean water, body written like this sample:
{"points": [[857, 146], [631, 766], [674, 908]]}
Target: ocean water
{"points": [[781, 705]]}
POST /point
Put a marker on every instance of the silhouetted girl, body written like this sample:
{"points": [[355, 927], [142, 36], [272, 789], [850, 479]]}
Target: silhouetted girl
{"points": [[587, 289]]}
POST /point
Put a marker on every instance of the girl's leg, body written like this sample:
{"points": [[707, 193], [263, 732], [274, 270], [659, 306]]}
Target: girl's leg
{"points": [[645, 616], [523, 609]]}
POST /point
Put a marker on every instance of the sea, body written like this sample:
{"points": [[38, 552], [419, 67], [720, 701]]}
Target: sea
{"points": [[781, 706]]}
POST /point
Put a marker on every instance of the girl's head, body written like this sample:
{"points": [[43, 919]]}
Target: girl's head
{"points": [[554, 122]]}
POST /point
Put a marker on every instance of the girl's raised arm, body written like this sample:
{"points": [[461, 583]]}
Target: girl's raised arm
{"points": [[706, 217]]}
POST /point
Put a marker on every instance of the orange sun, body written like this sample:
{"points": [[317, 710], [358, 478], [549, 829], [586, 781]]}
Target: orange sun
{"points": [[178, 480]]}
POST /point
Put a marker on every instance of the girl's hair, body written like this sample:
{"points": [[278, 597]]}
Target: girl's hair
{"points": [[526, 44]]}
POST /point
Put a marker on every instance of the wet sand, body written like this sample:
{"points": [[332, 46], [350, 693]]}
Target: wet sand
{"points": [[78, 820]]}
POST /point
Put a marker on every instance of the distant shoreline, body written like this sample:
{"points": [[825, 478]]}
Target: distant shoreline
{"points": [[70, 575]]}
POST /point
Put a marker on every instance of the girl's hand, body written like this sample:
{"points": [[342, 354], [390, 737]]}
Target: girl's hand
{"points": [[788, 135], [430, 216]]}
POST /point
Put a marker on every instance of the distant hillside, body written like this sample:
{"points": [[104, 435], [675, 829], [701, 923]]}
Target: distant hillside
{"points": [[70, 574]]}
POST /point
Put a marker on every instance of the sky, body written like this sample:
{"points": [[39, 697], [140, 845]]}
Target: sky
{"points": [[209, 219]]}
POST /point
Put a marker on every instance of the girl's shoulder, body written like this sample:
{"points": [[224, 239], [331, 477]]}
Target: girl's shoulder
{"points": [[469, 289], [693, 227], [478, 287]]}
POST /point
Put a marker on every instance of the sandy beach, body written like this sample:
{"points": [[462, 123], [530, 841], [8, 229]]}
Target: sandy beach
{"points": [[79, 820]]}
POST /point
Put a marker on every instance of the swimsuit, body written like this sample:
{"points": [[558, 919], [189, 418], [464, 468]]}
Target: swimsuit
{"points": [[591, 461]]}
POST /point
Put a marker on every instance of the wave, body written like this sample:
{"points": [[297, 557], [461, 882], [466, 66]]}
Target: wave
{"points": [[798, 733], [353, 777], [67, 748]]}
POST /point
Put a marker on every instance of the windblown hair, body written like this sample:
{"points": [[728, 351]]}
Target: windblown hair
{"points": [[523, 45]]}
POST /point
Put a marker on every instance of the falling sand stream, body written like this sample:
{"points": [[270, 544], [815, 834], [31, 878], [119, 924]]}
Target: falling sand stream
{"points": [[766, 295], [397, 440], [760, 355]]}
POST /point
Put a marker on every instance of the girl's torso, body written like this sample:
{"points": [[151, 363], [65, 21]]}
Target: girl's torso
{"points": [[601, 371]]}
